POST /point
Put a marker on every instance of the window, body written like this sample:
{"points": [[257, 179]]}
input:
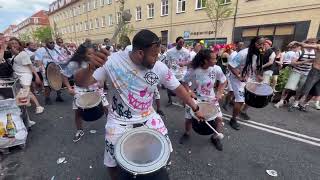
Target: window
{"points": [[164, 7], [86, 25], [181, 6], [138, 13], [150, 10], [84, 8], [36, 20], [80, 26], [77, 27], [118, 17], [110, 19], [88, 6], [79, 9], [91, 24], [95, 4], [97, 23], [201, 4], [101, 2], [103, 20], [74, 11], [225, 1], [109, 1]]}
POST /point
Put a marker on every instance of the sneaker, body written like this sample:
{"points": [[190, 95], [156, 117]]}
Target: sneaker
{"points": [[302, 108], [48, 101], [39, 109], [217, 143], [244, 115], [279, 104], [185, 137], [31, 123], [234, 124], [78, 135], [317, 105], [59, 99]]}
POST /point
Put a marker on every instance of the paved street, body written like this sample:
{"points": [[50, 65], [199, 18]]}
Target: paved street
{"points": [[293, 151]]}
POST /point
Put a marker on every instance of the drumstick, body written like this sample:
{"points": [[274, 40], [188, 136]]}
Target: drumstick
{"points": [[219, 135]]}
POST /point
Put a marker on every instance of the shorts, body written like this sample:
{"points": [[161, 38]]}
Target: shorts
{"points": [[296, 81], [187, 114], [40, 76], [25, 79], [45, 80], [114, 131], [312, 83], [229, 84], [238, 89], [267, 76]]}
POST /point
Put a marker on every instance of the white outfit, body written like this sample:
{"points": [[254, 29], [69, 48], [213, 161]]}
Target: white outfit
{"points": [[204, 80], [232, 55], [239, 62], [192, 55], [175, 57], [21, 68], [133, 98]]}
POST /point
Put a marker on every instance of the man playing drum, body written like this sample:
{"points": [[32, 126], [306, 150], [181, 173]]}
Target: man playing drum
{"points": [[134, 76], [205, 73], [243, 66]]}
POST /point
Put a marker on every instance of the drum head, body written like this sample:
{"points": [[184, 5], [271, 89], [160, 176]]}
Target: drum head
{"points": [[54, 76], [142, 151], [259, 88], [210, 111], [88, 100]]}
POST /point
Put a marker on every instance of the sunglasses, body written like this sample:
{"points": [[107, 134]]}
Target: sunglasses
{"points": [[51, 42]]}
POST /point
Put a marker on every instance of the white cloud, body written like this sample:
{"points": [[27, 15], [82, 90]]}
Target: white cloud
{"points": [[24, 5]]}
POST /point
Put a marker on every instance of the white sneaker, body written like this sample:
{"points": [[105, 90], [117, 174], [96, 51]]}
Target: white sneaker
{"points": [[317, 105], [279, 104], [39, 109], [31, 123], [78, 135]]}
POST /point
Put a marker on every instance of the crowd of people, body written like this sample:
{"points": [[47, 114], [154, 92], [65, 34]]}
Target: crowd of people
{"points": [[217, 75]]}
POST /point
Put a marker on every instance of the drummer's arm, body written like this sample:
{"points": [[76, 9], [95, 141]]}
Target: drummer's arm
{"points": [[183, 94], [234, 71], [270, 62]]}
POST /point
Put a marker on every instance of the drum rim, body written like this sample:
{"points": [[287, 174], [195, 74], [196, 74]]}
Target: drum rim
{"points": [[267, 85], [88, 107], [210, 119], [49, 81], [137, 169]]}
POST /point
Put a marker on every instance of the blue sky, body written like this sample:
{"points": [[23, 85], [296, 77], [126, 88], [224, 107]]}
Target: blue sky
{"points": [[15, 11]]}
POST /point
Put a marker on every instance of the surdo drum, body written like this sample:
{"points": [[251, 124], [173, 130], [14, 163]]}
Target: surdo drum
{"points": [[90, 106], [54, 76], [257, 95], [210, 112], [142, 153]]}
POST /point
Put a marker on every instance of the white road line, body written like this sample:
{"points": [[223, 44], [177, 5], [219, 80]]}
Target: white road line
{"points": [[281, 130], [279, 133]]}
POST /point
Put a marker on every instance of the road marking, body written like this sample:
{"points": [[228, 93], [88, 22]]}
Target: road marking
{"points": [[281, 130]]}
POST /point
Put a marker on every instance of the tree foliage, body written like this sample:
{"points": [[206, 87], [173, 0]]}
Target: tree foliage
{"points": [[42, 33], [25, 37], [217, 11]]}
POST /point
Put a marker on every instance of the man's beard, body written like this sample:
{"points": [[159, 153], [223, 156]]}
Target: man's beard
{"points": [[146, 65], [179, 47]]}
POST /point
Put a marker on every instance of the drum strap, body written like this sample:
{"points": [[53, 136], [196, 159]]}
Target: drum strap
{"points": [[49, 54]]}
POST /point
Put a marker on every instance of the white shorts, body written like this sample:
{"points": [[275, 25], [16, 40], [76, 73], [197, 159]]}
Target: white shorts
{"points": [[229, 84], [114, 131], [45, 80], [295, 81], [267, 76], [25, 79], [187, 113], [238, 89]]}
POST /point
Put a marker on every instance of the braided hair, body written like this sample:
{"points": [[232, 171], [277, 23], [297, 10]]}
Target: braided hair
{"points": [[252, 50]]}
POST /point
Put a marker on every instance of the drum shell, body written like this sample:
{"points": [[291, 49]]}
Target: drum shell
{"points": [[201, 127], [161, 174], [92, 114], [256, 101]]}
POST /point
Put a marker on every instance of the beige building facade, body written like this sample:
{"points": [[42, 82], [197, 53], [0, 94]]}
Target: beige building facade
{"points": [[281, 21]]}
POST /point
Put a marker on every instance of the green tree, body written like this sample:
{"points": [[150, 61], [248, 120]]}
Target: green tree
{"points": [[42, 33], [25, 37], [217, 11]]}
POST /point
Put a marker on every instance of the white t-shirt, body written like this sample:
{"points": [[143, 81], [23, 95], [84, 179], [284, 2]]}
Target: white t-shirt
{"points": [[290, 56], [43, 56], [174, 57], [239, 61], [64, 57], [21, 62], [205, 80], [32, 57], [135, 86], [232, 55], [192, 55]]}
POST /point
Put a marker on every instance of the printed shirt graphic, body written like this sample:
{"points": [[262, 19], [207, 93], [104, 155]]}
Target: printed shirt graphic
{"points": [[205, 80], [174, 57], [42, 55], [135, 87]]}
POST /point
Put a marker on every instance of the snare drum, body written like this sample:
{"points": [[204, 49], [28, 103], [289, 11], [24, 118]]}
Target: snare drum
{"points": [[210, 112], [142, 153], [54, 76], [90, 106], [257, 95]]}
